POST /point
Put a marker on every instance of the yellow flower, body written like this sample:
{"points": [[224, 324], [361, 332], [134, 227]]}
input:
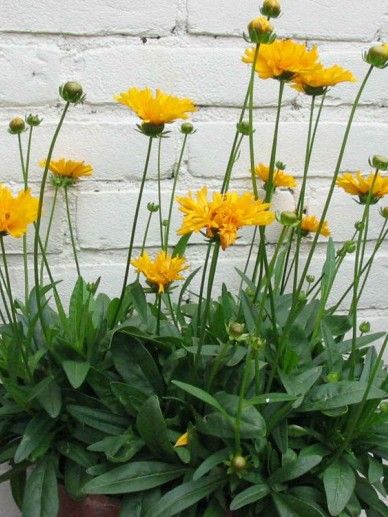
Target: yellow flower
{"points": [[282, 59], [280, 178], [361, 185], [68, 168], [223, 215], [183, 440], [260, 30], [315, 82], [310, 224], [157, 109], [161, 271], [16, 212]]}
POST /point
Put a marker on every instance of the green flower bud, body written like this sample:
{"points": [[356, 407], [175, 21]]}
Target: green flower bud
{"points": [[187, 128], [289, 219], [72, 92], [384, 212], [151, 130], [257, 343], [364, 327], [260, 30], [16, 126], [271, 8], [377, 55], [310, 279], [244, 128], [333, 377], [33, 120], [359, 226], [92, 287], [349, 247], [239, 463], [302, 298], [384, 407], [152, 207], [281, 166], [379, 162], [165, 222], [236, 329]]}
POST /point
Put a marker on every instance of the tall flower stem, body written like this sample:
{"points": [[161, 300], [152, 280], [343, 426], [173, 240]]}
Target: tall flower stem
{"points": [[133, 232], [300, 206], [7, 281], [160, 192], [174, 185], [48, 231], [73, 244], [25, 252], [362, 237], [293, 311], [202, 286], [210, 282], [243, 388], [250, 114], [39, 217]]}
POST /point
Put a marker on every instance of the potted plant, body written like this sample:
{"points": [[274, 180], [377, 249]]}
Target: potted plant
{"points": [[262, 400]]}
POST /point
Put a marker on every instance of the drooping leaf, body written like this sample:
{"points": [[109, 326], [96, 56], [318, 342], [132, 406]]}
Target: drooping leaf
{"points": [[134, 477], [34, 436], [41, 492]]}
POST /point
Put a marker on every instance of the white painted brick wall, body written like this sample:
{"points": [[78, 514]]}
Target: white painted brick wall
{"points": [[191, 48]]}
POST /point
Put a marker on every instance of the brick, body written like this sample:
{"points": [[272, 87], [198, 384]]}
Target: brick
{"points": [[310, 18], [30, 74], [139, 17], [217, 137], [203, 74]]}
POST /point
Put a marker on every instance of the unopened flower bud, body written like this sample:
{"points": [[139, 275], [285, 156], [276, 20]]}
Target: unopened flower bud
{"points": [[384, 212], [151, 130], [260, 30], [165, 223], [236, 329], [281, 166], [257, 343], [379, 162], [187, 128], [302, 298], [350, 247], [33, 120], [310, 279], [152, 207], [377, 55], [17, 126], [244, 128], [289, 219], [364, 327], [359, 226], [239, 463], [333, 377], [92, 287], [72, 92], [271, 8], [384, 407]]}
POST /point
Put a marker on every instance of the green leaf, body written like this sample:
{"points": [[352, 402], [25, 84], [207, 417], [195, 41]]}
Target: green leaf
{"points": [[333, 355], [249, 495], [130, 397], [76, 372], [299, 467], [269, 398], [104, 421], [33, 437], [50, 398], [339, 482], [342, 393], [201, 395], [375, 470], [134, 477], [210, 462], [77, 453], [251, 315], [153, 429], [180, 246], [140, 301], [136, 505], [290, 506], [41, 492], [185, 496]]}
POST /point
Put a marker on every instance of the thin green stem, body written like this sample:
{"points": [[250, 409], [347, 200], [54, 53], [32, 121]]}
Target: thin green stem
{"points": [[73, 244], [8, 285], [217, 364], [174, 185], [243, 387], [202, 286], [293, 311], [28, 152], [39, 217], [160, 193], [158, 303], [25, 257], [210, 282], [133, 232], [251, 132], [49, 225]]}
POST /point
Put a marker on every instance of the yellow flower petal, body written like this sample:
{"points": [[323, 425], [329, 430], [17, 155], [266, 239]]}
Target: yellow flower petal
{"points": [[68, 168], [16, 212], [183, 440], [280, 178], [310, 224], [161, 271]]}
